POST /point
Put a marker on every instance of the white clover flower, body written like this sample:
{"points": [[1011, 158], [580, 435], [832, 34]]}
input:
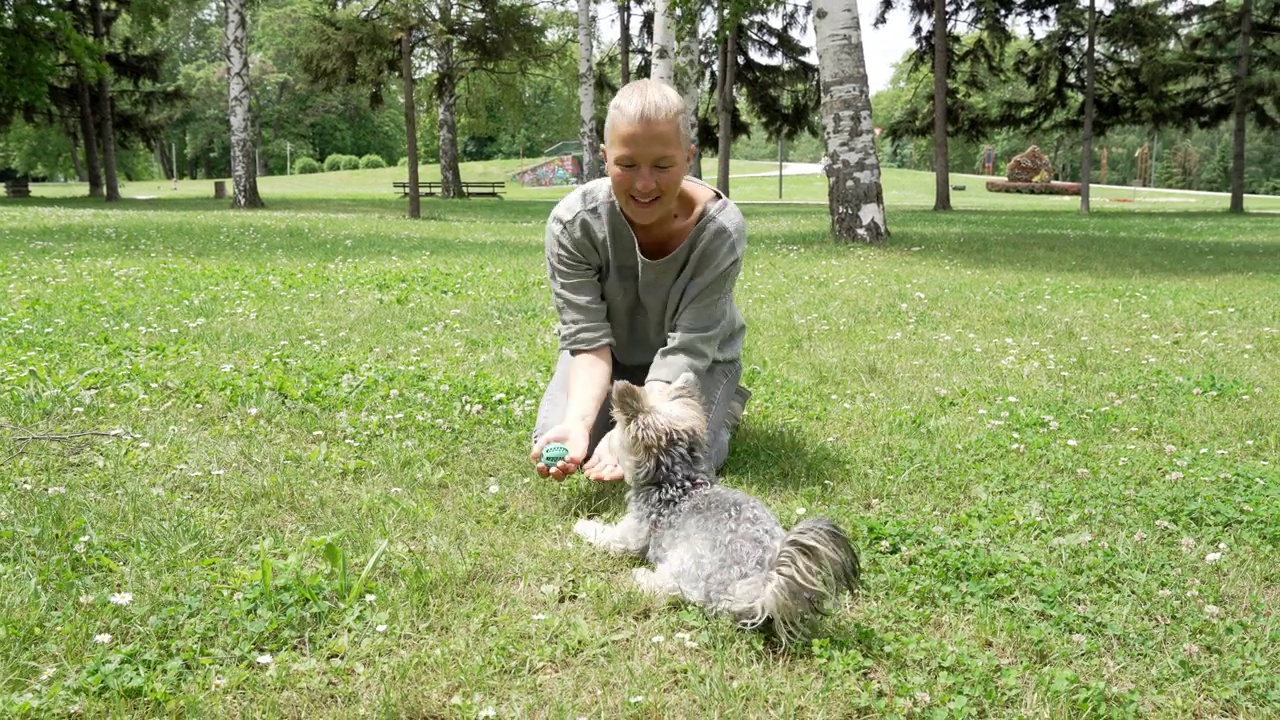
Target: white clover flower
{"points": [[264, 659], [102, 638]]}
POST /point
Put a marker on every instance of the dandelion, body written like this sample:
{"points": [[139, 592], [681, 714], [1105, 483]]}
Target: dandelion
{"points": [[121, 598], [264, 659], [102, 638]]}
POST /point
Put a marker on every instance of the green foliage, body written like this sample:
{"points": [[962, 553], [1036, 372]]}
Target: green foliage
{"points": [[339, 161], [305, 165], [349, 162], [370, 162]]}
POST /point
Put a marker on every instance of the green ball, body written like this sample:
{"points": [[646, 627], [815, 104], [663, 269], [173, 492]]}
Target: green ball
{"points": [[554, 453]]}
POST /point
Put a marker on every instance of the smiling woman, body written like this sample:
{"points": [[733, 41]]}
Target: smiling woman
{"points": [[642, 266]]}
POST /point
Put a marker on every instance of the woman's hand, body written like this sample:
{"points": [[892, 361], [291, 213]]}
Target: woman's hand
{"points": [[575, 436], [604, 465]]}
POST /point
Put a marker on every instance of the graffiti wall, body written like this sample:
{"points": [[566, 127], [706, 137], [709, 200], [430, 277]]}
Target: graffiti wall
{"points": [[561, 171]]}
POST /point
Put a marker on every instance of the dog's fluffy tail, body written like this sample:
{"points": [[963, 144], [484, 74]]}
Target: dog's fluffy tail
{"points": [[814, 565]]}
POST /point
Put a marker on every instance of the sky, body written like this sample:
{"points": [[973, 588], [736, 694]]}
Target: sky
{"points": [[881, 46]]}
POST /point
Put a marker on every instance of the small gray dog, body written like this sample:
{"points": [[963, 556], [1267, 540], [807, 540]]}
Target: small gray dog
{"points": [[716, 547]]}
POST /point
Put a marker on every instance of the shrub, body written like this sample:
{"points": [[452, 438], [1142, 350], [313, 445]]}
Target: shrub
{"points": [[305, 166], [333, 163], [404, 162], [350, 162], [371, 161]]}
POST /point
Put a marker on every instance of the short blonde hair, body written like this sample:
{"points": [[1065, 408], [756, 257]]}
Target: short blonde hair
{"points": [[648, 100]]}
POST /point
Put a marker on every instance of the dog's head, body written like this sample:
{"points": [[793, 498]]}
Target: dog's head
{"points": [[655, 421]]}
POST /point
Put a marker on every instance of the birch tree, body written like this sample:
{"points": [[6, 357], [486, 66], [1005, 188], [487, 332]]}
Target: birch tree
{"points": [[689, 74], [664, 42], [244, 175], [854, 193], [587, 93]]}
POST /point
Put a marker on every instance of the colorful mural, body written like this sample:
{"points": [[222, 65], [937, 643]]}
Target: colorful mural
{"points": [[563, 170]]}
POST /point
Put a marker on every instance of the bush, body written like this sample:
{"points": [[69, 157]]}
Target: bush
{"points": [[403, 162], [371, 162], [305, 166], [350, 162], [333, 163]]}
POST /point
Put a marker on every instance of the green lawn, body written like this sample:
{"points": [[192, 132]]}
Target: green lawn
{"points": [[905, 189], [1053, 439]]}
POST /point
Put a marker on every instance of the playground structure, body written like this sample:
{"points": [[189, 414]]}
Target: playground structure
{"points": [[1031, 173], [564, 167]]}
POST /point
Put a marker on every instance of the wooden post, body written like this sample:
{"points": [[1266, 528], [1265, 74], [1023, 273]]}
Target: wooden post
{"points": [[219, 189]]}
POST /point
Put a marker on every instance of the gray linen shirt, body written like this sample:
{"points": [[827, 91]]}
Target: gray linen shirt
{"points": [[673, 314]]}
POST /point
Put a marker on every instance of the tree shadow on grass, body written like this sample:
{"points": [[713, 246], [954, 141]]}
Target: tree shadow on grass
{"points": [[1106, 244], [432, 209]]}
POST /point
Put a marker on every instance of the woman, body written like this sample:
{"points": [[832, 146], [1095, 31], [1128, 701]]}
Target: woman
{"points": [[642, 266]]}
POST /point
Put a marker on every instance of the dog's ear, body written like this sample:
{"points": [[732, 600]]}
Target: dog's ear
{"points": [[686, 388], [629, 401]]}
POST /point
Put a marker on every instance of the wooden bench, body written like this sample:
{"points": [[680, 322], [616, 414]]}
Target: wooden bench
{"points": [[17, 188], [469, 189]]}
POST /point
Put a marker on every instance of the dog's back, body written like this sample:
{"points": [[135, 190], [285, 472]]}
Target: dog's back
{"points": [[718, 537]]}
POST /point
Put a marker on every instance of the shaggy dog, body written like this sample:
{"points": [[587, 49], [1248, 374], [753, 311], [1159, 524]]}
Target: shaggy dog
{"points": [[716, 547]]}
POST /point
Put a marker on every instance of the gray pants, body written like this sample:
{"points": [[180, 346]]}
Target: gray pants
{"points": [[719, 386]]}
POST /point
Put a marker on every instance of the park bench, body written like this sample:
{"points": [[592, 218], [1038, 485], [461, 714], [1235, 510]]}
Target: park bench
{"points": [[470, 189], [17, 188]]}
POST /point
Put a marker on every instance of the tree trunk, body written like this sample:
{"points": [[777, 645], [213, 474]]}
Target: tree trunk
{"points": [[1086, 142], [689, 80], [1241, 109], [941, 171], [624, 39], [447, 95], [244, 175], [107, 138], [724, 96], [587, 94], [410, 121], [664, 43], [855, 195], [89, 129], [74, 137]]}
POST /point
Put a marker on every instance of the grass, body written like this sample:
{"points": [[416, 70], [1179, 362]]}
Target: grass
{"points": [[907, 189], [1052, 438]]}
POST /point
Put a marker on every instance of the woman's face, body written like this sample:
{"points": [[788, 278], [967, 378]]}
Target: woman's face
{"points": [[646, 163]]}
